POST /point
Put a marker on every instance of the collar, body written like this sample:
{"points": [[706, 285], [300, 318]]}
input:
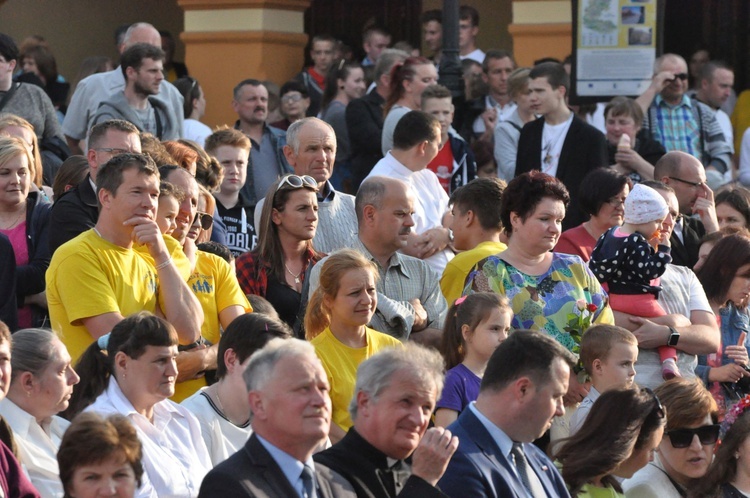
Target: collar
{"points": [[290, 466], [393, 262], [398, 166], [163, 410], [503, 441], [365, 449], [327, 194], [686, 101], [19, 419]]}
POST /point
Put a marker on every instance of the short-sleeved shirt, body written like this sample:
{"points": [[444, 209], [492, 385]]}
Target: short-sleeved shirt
{"points": [[457, 270], [461, 388], [89, 276]]}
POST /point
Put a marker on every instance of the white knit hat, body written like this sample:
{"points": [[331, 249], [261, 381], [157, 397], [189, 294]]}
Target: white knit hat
{"points": [[644, 204]]}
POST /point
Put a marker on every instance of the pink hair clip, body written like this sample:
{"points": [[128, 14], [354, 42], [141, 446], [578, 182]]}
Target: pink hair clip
{"points": [[460, 300]]}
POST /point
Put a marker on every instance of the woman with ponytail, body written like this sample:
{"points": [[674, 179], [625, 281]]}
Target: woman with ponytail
{"points": [[408, 81], [336, 324]]}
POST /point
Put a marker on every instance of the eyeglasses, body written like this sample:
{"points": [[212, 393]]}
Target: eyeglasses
{"points": [[682, 76], [616, 202], [657, 401], [692, 184], [295, 181], [112, 151], [291, 97], [682, 438], [206, 220]]}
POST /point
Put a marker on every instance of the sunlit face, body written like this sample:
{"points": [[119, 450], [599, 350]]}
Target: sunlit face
{"points": [[729, 217], [111, 478], [650, 229], [395, 421], [147, 78], [684, 464], [114, 143], [488, 334], [15, 180], [4, 368], [541, 229], [152, 375], [322, 55], [354, 85], [433, 35], [233, 161], [676, 88], [136, 197], [739, 289], [317, 152], [299, 219], [425, 75], [356, 300], [667, 226], [612, 212], [718, 90], [166, 215], [618, 126], [545, 99], [195, 226], [688, 183], [393, 222], [498, 72], [640, 457], [54, 385], [442, 109], [703, 253], [617, 370], [545, 402], [189, 206], [251, 104], [199, 104]]}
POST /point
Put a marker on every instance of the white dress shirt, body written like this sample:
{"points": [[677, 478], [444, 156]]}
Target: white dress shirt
{"points": [[175, 458], [37, 446]]}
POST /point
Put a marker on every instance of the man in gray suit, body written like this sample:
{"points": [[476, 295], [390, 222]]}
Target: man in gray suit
{"points": [[291, 414]]}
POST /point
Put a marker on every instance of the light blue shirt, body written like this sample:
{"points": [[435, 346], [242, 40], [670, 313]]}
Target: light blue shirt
{"points": [[290, 466]]}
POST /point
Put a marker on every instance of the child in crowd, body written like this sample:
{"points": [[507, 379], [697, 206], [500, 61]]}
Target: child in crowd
{"points": [[169, 206], [476, 324], [609, 354], [626, 261]]}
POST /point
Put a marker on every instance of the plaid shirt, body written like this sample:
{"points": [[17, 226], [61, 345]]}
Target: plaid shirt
{"points": [[676, 127], [252, 272]]}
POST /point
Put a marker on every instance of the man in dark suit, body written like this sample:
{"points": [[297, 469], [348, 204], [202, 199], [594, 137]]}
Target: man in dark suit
{"points": [[559, 143], [364, 119], [687, 177], [77, 210], [291, 415], [522, 391], [394, 397]]}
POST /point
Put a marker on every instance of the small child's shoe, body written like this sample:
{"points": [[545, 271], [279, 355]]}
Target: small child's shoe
{"points": [[669, 369]]}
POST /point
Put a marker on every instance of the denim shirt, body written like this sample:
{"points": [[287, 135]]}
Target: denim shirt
{"points": [[734, 321]]}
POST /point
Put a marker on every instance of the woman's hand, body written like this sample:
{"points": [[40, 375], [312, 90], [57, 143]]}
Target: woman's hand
{"points": [[576, 390], [731, 372], [738, 354]]}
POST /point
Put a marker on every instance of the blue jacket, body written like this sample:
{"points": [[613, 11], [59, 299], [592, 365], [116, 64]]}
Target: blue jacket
{"points": [[278, 140], [478, 467]]}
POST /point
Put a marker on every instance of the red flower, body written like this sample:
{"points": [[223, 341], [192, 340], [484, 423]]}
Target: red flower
{"points": [[591, 307]]}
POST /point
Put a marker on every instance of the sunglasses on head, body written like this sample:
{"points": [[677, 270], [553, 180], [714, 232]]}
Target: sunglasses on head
{"points": [[295, 181], [682, 438], [657, 402], [206, 220]]}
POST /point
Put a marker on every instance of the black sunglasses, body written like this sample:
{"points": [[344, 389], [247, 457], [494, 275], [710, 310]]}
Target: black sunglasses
{"points": [[206, 220], [682, 438], [657, 402], [682, 76]]}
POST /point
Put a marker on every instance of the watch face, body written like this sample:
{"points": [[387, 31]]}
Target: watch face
{"points": [[673, 339]]}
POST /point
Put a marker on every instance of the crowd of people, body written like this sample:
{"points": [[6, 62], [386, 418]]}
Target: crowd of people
{"points": [[367, 286]]}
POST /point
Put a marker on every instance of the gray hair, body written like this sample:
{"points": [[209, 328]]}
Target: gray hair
{"points": [[374, 375], [261, 364], [370, 193], [388, 58], [292, 133], [31, 351]]}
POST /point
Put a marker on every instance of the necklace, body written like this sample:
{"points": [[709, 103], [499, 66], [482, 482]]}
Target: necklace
{"points": [[296, 277], [15, 222]]}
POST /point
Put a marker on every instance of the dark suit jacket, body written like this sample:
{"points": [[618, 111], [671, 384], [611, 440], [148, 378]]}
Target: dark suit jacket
{"points": [[253, 473], [364, 124], [478, 467], [584, 149], [365, 466], [686, 253], [72, 214]]}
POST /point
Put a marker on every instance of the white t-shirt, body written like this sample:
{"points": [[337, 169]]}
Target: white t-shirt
{"points": [[477, 55], [553, 138]]}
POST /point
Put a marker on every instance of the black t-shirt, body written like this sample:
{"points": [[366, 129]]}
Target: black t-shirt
{"points": [[239, 220]]}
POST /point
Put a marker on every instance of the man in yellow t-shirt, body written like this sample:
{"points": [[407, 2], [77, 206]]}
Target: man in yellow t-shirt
{"points": [[476, 231], [97, 279]]}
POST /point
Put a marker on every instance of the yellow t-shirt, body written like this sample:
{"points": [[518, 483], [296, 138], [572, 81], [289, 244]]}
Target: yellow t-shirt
{"points": [[89, 276], [216, 287], [340, 363], [175, 250], [454, 276]]}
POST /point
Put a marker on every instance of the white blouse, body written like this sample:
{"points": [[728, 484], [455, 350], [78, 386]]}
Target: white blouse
{"points": [[175, 458]]}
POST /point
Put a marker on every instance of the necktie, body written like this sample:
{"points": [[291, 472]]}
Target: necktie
{"points": [[529, 479], [308, 482]]}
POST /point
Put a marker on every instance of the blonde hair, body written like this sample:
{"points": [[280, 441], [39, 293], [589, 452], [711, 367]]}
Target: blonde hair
{"points": [[318, 315], [35, 159], [12, 147], [203, 192]]}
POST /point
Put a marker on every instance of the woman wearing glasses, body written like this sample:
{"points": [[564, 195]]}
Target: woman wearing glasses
{"points": [[276, 268], [725, 276], [617, 439], [686, 450], [601, 195]]}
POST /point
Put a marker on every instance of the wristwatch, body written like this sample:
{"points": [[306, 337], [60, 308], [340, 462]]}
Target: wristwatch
{"points": [[450, 236], [674, 337]]}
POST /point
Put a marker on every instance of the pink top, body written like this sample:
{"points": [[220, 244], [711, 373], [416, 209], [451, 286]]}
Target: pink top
{"points": [[576, 241]]}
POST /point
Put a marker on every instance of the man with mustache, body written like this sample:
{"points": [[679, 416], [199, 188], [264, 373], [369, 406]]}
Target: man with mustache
{"points": [[266, 162], [410, 304]]}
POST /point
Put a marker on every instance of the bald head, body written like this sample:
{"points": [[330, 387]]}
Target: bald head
{"points": [[678, 85], [140, 32], [685, 174]]}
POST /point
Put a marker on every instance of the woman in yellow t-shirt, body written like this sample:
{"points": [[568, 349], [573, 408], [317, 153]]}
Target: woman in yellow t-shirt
{"points": [[336, 324]]}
